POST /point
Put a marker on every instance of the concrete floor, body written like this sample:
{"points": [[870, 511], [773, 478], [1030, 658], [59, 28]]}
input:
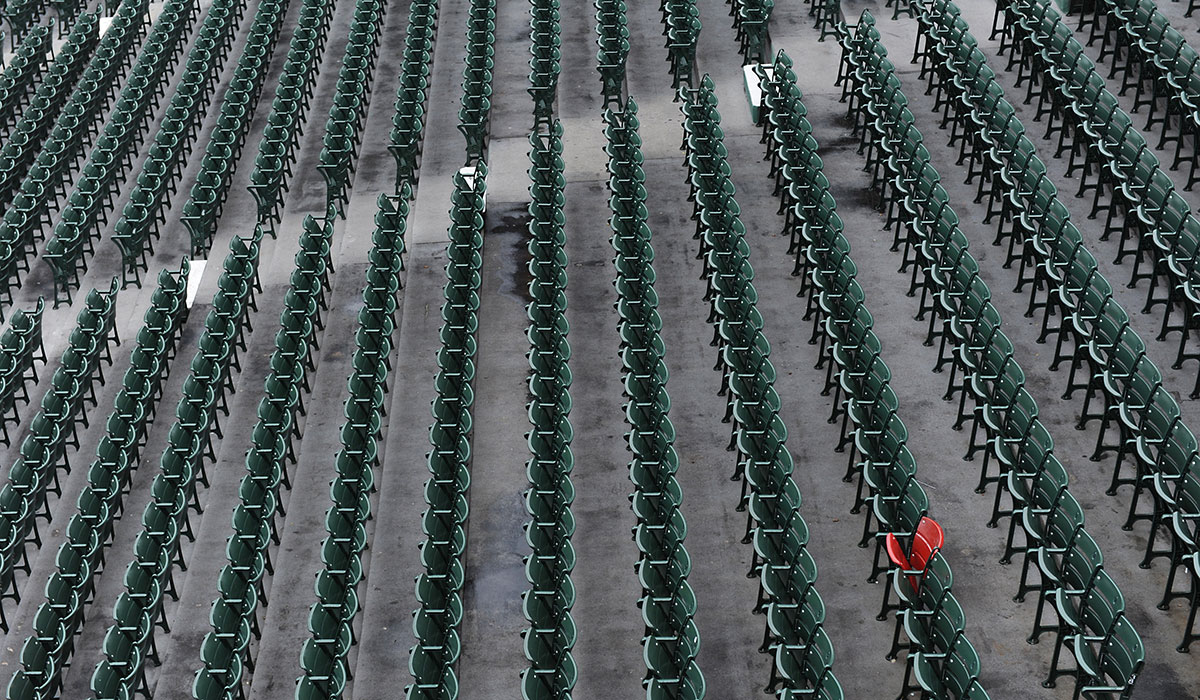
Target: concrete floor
{"points": [[608, 652]]}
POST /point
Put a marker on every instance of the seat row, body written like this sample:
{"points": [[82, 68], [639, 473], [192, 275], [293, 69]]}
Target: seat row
{"points": [[547, 603], [545, 52], [1158, 63], [225, 652], [671, 642], [20, 347], [88, 206], [351, 99], [1154, 221], [476, 100], [21, 77], [942, 659], [752, 27], [51, 640], [1094, 327], [26, 130], [612, 42], [289, 110], [55, 426], [681, 27], [43, 184], [794, 635], [324, 655], [129, 639], [439, 587], [138, 227], [1092, 623], [408, 122], [206, 197]]}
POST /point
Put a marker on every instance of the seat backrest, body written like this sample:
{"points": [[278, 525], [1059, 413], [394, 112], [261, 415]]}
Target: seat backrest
{"points": [[961, 674], [946, 627], [895, 551], [912, 506], [920, 552], [937, 583], [932, 532], [1099, 613], [1123, 654]]}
